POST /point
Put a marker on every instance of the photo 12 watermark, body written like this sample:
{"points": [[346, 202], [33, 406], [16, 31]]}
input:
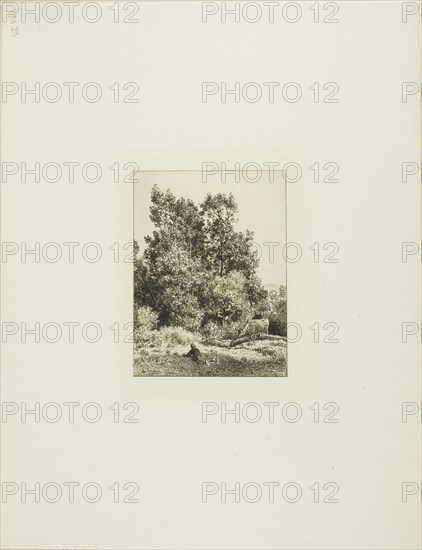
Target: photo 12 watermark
{"points": [[272, 492], [52, 492], [270, 12]]}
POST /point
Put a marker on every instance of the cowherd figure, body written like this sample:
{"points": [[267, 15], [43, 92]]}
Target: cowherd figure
{"points": [[196, 355]]}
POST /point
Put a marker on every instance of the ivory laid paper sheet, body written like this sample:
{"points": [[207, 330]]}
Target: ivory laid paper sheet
{"points": [[210, 275]]}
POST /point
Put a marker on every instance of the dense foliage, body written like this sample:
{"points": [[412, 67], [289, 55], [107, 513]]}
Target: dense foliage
{"points": [[197, 271]]}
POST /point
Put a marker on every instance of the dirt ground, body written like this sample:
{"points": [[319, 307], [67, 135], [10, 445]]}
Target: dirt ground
{"points": [[260, 358]]}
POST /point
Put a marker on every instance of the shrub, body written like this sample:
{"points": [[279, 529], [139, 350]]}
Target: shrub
{"points": [[213, 331], [226, 298], [181, 309], [172, 336], [145, 321], [234, 329]]}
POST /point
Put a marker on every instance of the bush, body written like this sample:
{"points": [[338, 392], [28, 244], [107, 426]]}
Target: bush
{"points": [[179, 308], [145, 321], [172, 336], [229, 331], [233, 330], [213, 331]]}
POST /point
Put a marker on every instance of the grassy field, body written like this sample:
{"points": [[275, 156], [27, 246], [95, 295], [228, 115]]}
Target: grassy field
{"points": [[266, 357]]}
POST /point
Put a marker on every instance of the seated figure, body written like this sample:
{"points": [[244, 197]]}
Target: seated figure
{"points": [[195, 354]]}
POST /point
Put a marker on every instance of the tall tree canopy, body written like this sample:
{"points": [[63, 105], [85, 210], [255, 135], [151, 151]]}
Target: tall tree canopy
{"points": [[196, 267]]}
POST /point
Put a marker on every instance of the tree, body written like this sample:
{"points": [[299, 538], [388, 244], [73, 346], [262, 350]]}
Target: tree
{"points": [[226, 298], [170, 285], [196, 266], [219, 213], [278, 309], [176, 219]]}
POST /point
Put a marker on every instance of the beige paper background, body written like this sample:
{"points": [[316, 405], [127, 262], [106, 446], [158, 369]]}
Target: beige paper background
{"points": [[170, 452]]}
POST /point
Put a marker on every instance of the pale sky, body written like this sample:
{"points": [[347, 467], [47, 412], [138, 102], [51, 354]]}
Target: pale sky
{"points": [[262, 209]]}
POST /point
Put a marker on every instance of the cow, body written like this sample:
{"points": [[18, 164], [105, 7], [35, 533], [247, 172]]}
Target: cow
{"points": [[275, 328], [254, 327], [278, 328]]}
